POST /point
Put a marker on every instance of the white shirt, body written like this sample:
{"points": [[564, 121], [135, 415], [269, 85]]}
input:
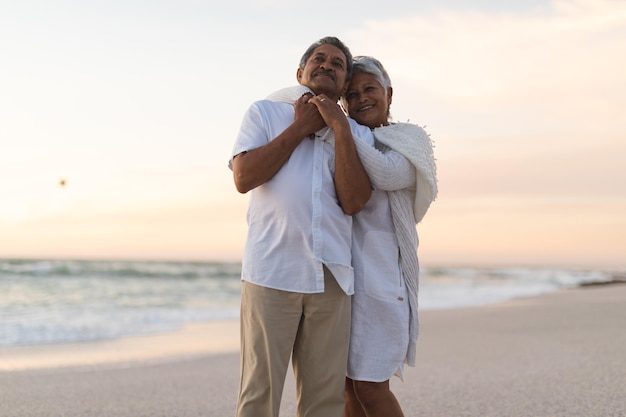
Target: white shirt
{"points": [[295, 223]]}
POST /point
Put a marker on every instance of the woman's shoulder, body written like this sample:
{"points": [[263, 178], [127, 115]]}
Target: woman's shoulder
{"points": [[402, 131], [402, 127]]}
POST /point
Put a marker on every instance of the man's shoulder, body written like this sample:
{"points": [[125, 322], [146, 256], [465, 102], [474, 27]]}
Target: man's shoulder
{"points": [[269, 109], [265, 103]]}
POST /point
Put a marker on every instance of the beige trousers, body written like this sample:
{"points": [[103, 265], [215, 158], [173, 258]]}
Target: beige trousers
{"points": [[312, 329]]}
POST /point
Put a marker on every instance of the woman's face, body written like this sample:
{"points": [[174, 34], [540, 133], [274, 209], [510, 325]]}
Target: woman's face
{"points": [[367, 101]]}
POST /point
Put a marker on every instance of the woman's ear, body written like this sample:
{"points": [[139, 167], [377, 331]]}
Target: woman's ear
{"points": [[389, 94]]}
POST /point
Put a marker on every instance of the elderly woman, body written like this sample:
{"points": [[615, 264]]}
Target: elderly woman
{"points": [[402, 172]]}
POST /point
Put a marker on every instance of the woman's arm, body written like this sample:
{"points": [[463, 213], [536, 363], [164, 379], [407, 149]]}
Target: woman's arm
{"points": [[352, 184], [388, 171]]}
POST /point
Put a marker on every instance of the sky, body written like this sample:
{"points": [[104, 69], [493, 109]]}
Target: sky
{"points": [[136, 105]]}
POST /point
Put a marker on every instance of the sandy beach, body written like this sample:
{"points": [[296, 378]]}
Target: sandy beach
{"points": [[560, 354]]}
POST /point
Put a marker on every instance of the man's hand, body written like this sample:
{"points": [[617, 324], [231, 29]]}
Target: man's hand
{"points": [[308, 115]]}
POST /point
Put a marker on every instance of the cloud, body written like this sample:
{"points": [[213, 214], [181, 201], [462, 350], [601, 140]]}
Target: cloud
{"points": [[525, 112], [561, 63]]}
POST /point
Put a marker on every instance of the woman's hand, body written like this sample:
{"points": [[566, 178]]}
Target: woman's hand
{"points": [[331, 112]]}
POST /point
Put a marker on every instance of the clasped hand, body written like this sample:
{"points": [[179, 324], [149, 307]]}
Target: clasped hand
{"points": [[318, 112]]}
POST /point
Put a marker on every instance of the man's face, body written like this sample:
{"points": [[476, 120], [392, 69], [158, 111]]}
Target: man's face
{"points": [[325, 71]]}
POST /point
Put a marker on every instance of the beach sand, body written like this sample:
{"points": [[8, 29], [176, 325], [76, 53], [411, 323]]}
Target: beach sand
{"points": [[560, 354]]}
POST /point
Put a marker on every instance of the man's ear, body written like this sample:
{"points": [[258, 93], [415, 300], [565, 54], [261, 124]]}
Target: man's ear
{"points": [[299, 74]]}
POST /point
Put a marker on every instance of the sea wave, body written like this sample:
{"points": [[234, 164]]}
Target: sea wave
{"points": [[124, 269], [59, 301]]}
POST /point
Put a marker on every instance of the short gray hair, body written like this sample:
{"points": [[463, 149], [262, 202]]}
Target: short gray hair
{"points": [[329, 40], [372, 66]]}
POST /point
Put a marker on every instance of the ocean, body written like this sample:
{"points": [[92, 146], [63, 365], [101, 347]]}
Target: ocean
{"points": [[61, 301]]}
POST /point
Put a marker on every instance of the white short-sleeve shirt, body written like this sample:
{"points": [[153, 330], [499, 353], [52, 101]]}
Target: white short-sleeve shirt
{"points": [[295, 222]]}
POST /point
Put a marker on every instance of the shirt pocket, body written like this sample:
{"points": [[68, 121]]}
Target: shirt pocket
{"points": [[381, 274]]}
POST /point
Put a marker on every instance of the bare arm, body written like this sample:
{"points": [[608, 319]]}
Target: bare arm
{"points": [[351, 181], [257, 166]]}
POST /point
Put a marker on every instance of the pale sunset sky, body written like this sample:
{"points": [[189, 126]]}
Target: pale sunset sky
{"points": [[137, 104]]}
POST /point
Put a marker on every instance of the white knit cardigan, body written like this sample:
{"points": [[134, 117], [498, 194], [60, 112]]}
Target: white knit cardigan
{"points": [[409, 205]]}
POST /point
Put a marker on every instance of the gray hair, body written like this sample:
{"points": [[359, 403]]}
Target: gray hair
{"points": [[329, 40], [370, 65]]}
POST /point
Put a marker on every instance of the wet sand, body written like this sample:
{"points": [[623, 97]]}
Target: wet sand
{"points": [[560, 354]]}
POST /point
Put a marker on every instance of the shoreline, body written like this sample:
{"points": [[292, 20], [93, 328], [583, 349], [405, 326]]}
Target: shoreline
{"points": [[192, 340], [557, 354]]}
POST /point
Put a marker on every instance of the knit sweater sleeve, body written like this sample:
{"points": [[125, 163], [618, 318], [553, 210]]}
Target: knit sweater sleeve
{"points": [[388, 170]]}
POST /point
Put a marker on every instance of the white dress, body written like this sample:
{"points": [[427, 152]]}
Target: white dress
{"points": [[379, 335], [380, 305]]}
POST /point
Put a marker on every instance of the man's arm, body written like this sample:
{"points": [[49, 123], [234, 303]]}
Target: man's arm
{"points": [[351, 181], [257, 166]]}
